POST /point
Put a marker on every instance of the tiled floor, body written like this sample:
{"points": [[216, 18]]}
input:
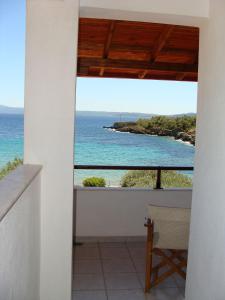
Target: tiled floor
{"points": [[115, 271]]}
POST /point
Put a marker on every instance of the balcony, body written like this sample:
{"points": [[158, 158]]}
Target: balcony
{"points": [[109, 260]]}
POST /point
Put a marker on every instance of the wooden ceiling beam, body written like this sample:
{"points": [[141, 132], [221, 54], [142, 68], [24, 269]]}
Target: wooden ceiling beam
{"points": [[109, 38], [138, 65], [133, 76], [101, 73], [164, 36], [143, 74], [180, 76]]}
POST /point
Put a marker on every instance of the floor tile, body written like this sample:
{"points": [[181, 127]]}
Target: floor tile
{"points": [[83, 252], [182, 290], [136, 245], [165, 294], [89, 295], [167, 283], [88, 282], [140, 265], [179, 280], [113, 252], [118, 266], [113, 245], [87, 244], [126, 295], [122, 281], [137, 252], [89, 266]]}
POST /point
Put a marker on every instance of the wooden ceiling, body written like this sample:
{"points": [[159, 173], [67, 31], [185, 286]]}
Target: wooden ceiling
{"points": [[125, 49]]}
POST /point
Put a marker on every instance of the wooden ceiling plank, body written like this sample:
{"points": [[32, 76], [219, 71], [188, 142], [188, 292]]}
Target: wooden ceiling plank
{"points": [[164, 36], [109, 38]]}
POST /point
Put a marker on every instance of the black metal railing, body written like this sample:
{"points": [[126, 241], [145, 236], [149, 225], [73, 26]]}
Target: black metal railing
{"points": [[158, 169]]}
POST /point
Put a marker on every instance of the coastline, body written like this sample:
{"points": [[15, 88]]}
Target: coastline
{"points": [[180, 140]]}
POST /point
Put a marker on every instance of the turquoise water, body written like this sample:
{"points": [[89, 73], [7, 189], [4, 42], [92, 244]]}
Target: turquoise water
{"points": [[96, 145]]}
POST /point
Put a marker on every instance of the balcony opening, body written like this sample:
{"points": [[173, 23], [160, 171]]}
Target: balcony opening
{"points": [[12, 61], [128, 153]]}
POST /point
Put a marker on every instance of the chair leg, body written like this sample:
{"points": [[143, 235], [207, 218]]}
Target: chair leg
{"points": [[149, 252]]}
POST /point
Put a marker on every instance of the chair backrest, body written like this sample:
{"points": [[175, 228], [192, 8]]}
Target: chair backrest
{"points": [[171, 227]]}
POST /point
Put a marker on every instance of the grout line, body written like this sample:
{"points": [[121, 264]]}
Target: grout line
{"points": [[132, 260], [103, 273]]}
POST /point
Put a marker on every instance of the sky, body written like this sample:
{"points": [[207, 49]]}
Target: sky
{"points": [[119, 95]]}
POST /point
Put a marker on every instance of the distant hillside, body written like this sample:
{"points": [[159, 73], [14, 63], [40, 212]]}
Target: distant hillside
{"points": [[122, 115], [180, 127], [114, 114], [10, 110]]}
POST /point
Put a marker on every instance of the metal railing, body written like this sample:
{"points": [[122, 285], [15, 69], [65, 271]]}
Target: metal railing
{"points": [[158, 169]]}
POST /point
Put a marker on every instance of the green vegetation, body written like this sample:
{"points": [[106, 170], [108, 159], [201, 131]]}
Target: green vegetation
{"points": [[170, 179], [12, 165], [94, 182], [182, 127]]}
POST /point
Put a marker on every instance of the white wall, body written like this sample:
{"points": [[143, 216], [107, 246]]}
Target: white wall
{"points": [[120, 212], [51, 38], [206, 269], [20, 246], [189, 12]]}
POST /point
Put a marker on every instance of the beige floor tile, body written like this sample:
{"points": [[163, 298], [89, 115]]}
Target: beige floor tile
{"points": [[83, 252], [137, 252], [140, 265], [118, 266], [87, 244], [168, 283], [113, 245], [89, 295], [165, 294], [126, 295], [89, 266], [88, 282], [122, 281], [179, 280], [113, 252], [136, 245]]}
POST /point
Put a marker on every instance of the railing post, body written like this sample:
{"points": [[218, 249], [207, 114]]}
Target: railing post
{"points": [[158, 180]]}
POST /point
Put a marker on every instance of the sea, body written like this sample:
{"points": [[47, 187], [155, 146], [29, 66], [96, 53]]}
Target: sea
{"points": [[95, 145]]}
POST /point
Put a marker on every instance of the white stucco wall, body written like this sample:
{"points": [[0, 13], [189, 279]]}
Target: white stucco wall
{"points": [[120, 212], [51, 43], [20, 243], [206, 269], [189, 12]]}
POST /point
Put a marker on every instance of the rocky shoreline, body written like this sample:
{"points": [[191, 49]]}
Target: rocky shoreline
{"points": [[132, 127]]}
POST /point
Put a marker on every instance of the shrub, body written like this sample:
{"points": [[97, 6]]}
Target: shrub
{"points": [[10, 166], [94, 182], [169, 179]]}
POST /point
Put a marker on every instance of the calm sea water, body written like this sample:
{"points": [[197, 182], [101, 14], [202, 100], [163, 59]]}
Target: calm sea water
{"points": [[96, 145]]}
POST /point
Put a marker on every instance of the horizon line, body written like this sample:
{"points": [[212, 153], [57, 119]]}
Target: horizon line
{"points": [[117, 112]]}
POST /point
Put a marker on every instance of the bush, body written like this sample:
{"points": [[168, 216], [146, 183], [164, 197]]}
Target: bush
{"points": [[94, 182], [12, 165], [147, 179]]}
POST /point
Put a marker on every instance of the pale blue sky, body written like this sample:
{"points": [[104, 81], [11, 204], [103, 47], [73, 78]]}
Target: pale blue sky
{"points": [[162, 97]]}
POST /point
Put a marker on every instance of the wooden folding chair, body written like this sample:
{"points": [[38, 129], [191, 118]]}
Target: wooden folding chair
{"points": [[167, 237]]}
